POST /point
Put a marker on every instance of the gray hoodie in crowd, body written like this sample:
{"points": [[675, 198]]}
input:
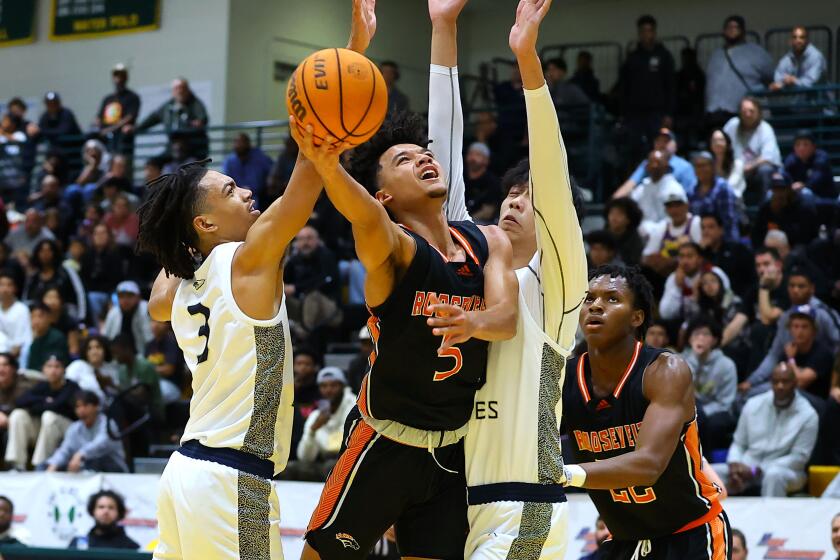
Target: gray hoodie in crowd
{"points": [[715, 380]]}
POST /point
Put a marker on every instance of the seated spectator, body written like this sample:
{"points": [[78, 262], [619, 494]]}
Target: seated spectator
{"points": [[133, 369], [584, 77], [123, 223], [482, 189], [182, 116], [715, 301], [281, 171], [152, 169], [754, 142], [42, 416], [94, 371], [739, 545], [807, 356], [163, 353], [87, 445], [656, 336], [49, 197], [118, 113], [101, 270], [305, 367], [13, 173], [130, 316], [324, 429], [732, 257], [682, 171], [23, 240], [802, 66], [770, 297], [312, 282], [359, 366], [602, 533], [727, 166], [96, 160], [810, 167], [49, 273], [682, 283], [249, 167], [603, 249], [715, 381], [57, 125], [773, 441], [397, 101], [47, 341], [735, 69], [667, 236], [623, 218], [113, 188], [12, 386], [60, 319], [107, 509], [796, 259], [180, 151], [7, 511], [654, 190], [713, 196], [15, 322], [788, 211]]}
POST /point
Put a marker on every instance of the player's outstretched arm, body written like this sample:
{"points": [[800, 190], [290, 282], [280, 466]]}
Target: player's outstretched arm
{"points": [[501, 292], [562, 255], [669, 389], [382, 247], [446, 117]]}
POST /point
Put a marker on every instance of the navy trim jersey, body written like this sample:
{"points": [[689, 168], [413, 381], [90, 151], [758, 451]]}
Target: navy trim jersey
{"points": [[408, 382], [601, 428]]}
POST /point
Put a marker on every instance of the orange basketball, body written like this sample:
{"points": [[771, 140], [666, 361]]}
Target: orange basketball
{"points": [[340, 93]]}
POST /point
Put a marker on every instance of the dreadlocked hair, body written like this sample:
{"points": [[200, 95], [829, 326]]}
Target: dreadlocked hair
{"points": [[402, 128], [638, 284], [166, 215]]}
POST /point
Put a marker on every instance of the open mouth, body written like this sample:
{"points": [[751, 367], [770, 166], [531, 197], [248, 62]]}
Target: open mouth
{"points": [[429, 173], [252, 208], [594, 321]]}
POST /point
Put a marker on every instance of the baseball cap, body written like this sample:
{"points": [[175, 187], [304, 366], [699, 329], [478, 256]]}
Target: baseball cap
{"points": [[481, 148], [52, 96], [804, 134], [676, 196], [803, 311], [128, 287], [666, 132], [119, 68], [702, 154], [364, 334], [331, 373], [779, 180]]}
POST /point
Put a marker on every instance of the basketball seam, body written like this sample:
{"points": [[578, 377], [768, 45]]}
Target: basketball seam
{"points": [[340, 95], [311, 106], [367, 110]]}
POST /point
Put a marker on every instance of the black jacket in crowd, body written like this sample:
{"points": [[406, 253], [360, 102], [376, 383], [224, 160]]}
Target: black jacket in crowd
{"points": [[647, 82], [112, 536], [42, 398]]}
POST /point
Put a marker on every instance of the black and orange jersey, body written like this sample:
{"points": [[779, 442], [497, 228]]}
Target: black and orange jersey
{"points": [[601, 428], [408, 381]]}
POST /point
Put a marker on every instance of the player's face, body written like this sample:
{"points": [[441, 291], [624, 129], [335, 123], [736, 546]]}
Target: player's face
{"points": [[516, 217], [229, 210], [607, 314], [408, 176]]}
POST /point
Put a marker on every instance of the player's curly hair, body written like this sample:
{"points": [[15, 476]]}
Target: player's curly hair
{"points": [[166, 229], [402, 128], [640, 286]]}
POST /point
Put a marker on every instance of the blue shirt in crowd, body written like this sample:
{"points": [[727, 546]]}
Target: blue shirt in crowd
{"points": [[250, 172], [816, 174], [721, 201], [682, 171]]}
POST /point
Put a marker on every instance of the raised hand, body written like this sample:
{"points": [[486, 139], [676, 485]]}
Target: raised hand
{"points": [[325, 157], [445, 10], [529, 16], [363, 26]]}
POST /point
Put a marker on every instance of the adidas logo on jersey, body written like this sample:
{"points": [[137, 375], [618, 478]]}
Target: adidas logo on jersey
{"points": [[464, 271], [347, 541], [198, 284], [602, 405]]}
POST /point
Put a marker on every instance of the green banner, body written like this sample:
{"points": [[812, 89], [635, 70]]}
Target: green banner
{"points": [[17, 18], [78, 19]]}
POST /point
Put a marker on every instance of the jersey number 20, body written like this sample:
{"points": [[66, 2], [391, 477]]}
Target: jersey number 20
{"points": [[630, 496], [203, 330]]}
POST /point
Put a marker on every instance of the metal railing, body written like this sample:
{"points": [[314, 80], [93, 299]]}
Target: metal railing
{"points": [[707, 43], [607, 57]]}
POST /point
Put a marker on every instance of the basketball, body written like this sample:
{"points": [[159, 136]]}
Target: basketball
{"points": [[341, 93]]}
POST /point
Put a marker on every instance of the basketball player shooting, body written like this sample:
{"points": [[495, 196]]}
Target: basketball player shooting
{"points": [[216, 498], [402, 459], [517, 502], [630, 412]]}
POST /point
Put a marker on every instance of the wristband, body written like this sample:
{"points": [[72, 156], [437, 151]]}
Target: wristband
{"points": [[575, 475]]}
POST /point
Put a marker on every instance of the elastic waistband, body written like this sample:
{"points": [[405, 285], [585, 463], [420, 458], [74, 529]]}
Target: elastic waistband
{"points": [[232, 458], [406, 435], [516, 492]]}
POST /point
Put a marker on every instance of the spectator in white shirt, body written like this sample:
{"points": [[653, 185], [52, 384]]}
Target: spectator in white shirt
{"points": [[324, 429], [667, 236], [682, 283], [774, 439], [15, 323], [654, 189], [754, 142]]}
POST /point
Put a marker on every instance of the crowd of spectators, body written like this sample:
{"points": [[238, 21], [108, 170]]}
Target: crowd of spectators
{"points": [[737, 238]]}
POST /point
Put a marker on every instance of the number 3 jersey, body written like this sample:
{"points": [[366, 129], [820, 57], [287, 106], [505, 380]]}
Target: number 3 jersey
{"points": [[408, 381], [242, 380], [601, 428]]}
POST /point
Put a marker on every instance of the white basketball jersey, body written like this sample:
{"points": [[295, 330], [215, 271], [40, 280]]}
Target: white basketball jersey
{"points": [[242, 381], [520, 404]]}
